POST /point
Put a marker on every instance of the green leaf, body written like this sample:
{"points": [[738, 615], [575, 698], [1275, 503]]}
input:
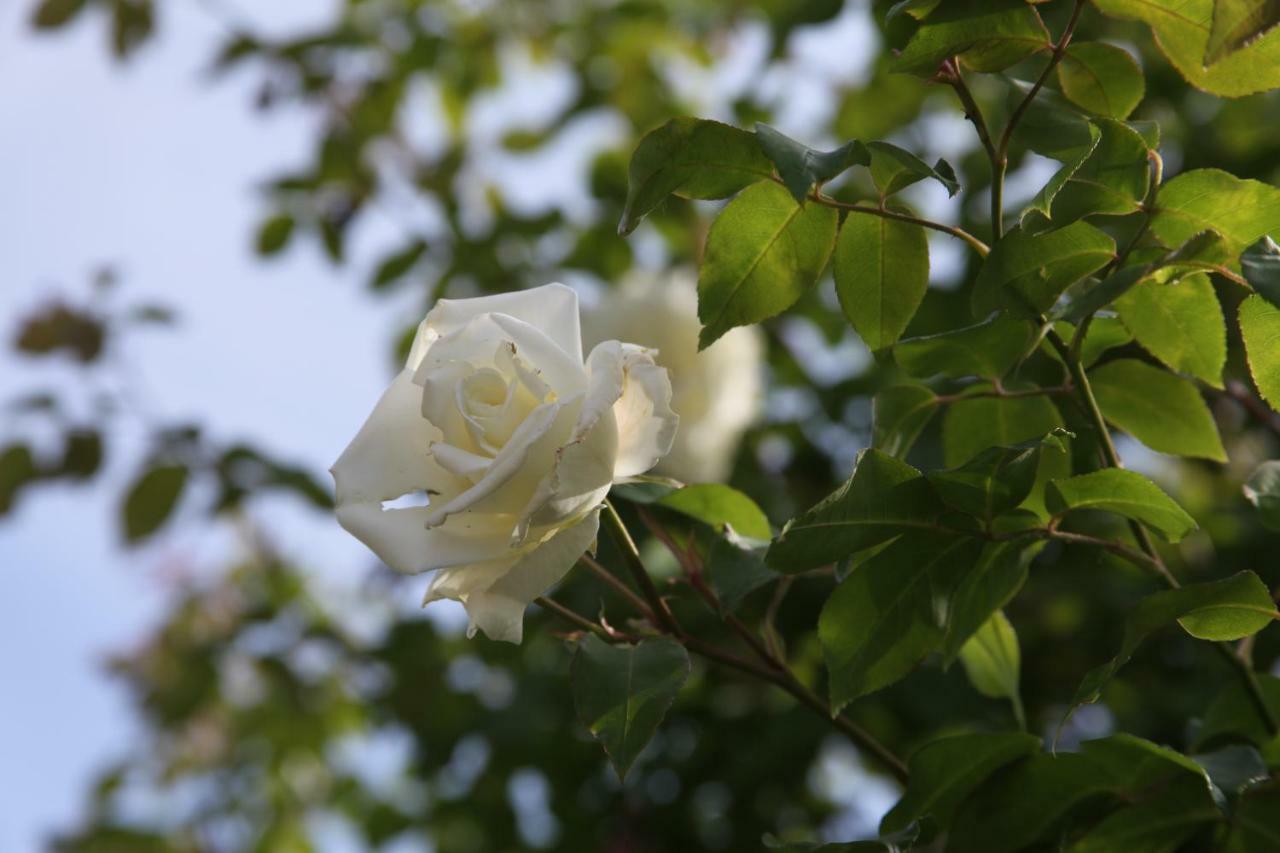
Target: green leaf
{"points": [[997, 479], [1227, 609], [988, 35], [881, 620], [989, 350], [945, 771], [982, 588], [1104, 333], [720, 506], [17, 469], [692, 158], [274, 234], [992, 661], [899, 414], [1260, 328], [51, 14], [1263, 491], [1255, 823], [883, 498], [1113, 180], [1162, 822], [801, 167], [1181, 324], [1030, 271], [1261, 266], [1242, 211], [763, 252], [1101, 78], [893, 169], [397, 265], [150, 501], [622, 692], [972, 425], [1028, 805], [1233, 768], [881, 272], [1125, 493], [1163, 411], [1237, 24], [1233, 716], [1182, 30], [1072, 158], [734, 572]]}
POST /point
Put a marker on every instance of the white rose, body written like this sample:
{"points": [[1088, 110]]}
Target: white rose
{"points": [[718, 393], [514, 439]]}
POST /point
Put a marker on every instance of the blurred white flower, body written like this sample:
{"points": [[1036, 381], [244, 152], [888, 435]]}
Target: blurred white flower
{"points": [[718, 393], [515, 441]]}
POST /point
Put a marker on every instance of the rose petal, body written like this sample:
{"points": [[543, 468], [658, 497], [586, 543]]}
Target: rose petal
{"points": [[496, 595], [391, 455], [479, 340], [642, 405], [553, 308], [401, 539]]}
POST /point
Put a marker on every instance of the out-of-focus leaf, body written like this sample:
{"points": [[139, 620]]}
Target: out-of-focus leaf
{"points": [[60, 327], [396, 266], [882, 272], [274, 234], [150, 501], [1163, 411], [763, 252], [81, 454], [51, 14], [622, 692], [1263, 491], [17, 469]]}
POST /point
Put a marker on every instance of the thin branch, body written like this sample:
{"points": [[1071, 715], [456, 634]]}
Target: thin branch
{"points": [[1050, 391], [980, 247], [1243, 668], [631, 555], [617, 584], [1059, 50], [583, 622]]}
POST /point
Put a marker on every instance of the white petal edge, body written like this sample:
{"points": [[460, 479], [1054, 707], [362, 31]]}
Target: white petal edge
{"points": [[646, 424], [496, 606], [553, 308]]}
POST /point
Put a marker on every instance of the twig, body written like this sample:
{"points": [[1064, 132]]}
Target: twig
{"points": [[663, 618], [980, 247]]}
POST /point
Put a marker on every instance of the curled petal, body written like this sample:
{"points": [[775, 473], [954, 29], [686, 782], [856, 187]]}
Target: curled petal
{"points": [[552, 308], [641, 407], [496, 594]]}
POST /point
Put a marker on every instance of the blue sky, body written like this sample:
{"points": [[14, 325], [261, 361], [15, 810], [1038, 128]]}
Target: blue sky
{"points": [[152, 168]]}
